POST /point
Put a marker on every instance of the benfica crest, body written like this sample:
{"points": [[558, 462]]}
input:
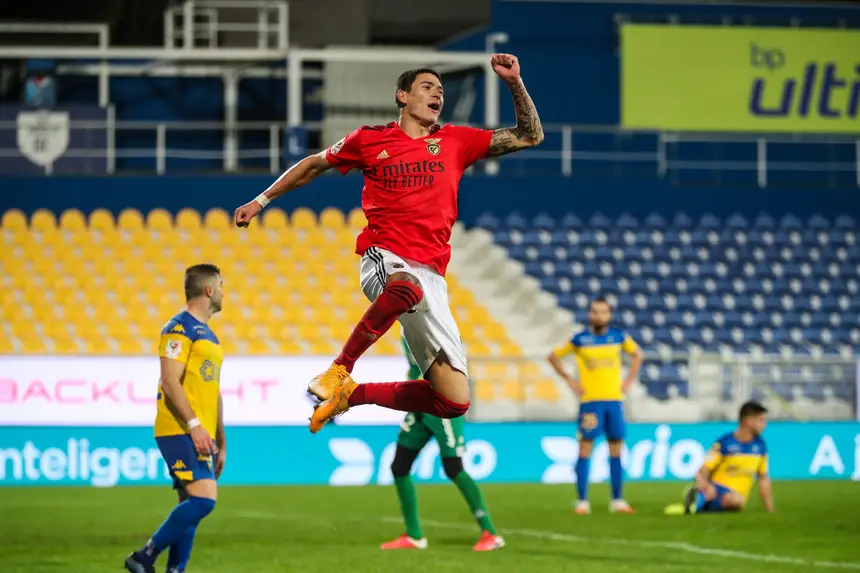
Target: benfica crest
{"points": [[43, 137], [433, 146]]}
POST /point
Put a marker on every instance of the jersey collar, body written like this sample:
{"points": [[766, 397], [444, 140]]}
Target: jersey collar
{"points": [[433, 128]]}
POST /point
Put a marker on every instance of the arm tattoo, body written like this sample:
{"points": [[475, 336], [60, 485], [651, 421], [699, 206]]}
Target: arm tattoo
{"points": [[528, 131]]}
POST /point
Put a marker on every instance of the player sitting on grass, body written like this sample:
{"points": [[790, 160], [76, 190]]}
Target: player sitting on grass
{"points": [[601, 393], [189, 413], [415, 431], [724, 482]]}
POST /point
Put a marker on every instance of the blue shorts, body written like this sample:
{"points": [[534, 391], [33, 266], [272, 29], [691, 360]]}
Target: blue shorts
{"points": [[183, 461], [597, 418], [716, 504]]}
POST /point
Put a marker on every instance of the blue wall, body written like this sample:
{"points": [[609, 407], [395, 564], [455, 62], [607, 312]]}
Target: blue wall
{"points": [[478, 194], [512, 452]]}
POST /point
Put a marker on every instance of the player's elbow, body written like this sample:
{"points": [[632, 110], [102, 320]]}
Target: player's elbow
{"points": [[538, 137]]}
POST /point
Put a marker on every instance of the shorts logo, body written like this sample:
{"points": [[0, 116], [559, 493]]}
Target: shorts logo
{"points": [[397, 266], [337, 146], [207, 371], [179, 465], [588, 421], [433, 146], [173, 349]]}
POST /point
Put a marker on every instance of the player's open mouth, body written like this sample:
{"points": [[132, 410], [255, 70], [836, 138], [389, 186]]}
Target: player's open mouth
{"points": [[435, 106]]}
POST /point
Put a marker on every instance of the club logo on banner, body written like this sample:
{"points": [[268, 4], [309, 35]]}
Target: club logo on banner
{"points": [[43, 136], [704, 78]]}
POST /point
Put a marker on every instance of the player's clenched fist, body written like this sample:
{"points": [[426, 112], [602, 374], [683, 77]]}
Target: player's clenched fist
{"points": [[246, 212], [506, 67]]}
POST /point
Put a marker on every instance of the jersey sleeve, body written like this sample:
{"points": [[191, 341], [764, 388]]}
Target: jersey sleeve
{"points": [[346, 153], [763, 466], [565, 350], [476, 143], [629, 345], [174, 343], [714, 457]]}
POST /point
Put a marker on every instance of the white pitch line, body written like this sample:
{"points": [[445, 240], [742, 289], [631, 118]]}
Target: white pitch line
{"points": [[568, 538]]}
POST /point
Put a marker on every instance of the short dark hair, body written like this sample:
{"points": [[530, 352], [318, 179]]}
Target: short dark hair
{"points": [[196, 277], [603, 300], [407, 78], [751, 408]]}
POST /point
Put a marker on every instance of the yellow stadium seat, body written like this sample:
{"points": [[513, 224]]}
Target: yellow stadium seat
{"points": [[357, 221], [43, 220], [102, 220], [72, 220], [188, 220], [513, 390], [14, 220], [545, 390], [331, 218], [303, 218], [130, 220], [217, 219], [159, 219], [484, 391], [275, 218]]}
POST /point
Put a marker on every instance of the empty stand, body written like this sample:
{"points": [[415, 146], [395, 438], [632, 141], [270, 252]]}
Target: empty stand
{"points": [[761, 287], [99, 284]]}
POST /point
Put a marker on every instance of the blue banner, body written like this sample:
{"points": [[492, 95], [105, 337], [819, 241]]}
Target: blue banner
{"points": [[510, 452]]}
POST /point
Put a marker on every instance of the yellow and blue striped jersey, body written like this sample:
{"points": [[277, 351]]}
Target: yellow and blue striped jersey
{"points": [[598, 359], [186, 339], [735, 464]]}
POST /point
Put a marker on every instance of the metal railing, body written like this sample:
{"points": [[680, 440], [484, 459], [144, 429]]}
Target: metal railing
{"points": [[567, 149], [709, 387]]}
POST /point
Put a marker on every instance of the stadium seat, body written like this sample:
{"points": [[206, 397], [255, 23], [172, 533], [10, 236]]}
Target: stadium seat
{"points": [[776, 285], [118, 299]]}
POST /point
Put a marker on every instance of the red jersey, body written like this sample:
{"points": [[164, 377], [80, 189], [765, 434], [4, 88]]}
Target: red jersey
{"points": [[410, 186]]}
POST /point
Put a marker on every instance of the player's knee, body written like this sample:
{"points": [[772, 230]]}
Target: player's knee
{"points": [[449, 409], [203, 506], [402, 463], [406, 291], [452, 467]]}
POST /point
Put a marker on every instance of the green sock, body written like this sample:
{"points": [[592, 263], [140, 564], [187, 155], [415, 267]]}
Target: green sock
{"points": [[409, 506], [472, 493]]}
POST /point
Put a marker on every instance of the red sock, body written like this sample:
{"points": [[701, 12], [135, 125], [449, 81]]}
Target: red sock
{"points": [[414, 396], [397, 298]]}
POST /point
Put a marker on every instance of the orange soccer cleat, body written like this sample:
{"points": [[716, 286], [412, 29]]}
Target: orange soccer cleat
{"points": [[489, 542], [323, 385], [405, 542], [334, 406]]}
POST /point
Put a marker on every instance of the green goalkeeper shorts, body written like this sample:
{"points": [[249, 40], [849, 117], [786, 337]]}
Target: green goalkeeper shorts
{"points": [[417, 429]]}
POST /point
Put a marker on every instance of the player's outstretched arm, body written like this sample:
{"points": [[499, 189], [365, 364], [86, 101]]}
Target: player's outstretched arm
{"points": [[299, 174], [528, 132]]}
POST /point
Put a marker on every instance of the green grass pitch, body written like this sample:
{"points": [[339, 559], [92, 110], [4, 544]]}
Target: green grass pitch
{"points": [[325, 529]]}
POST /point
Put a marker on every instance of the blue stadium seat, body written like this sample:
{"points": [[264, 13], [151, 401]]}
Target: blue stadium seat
{"points": [[769, 284]]}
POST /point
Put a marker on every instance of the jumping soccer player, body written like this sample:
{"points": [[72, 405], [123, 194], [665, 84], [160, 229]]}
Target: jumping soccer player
{"points": [[415, 432], [735, 461], [601, 396], [189, 413], [412, 170]]}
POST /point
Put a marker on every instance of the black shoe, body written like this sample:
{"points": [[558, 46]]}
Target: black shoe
{"points": [[134, 564]]}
